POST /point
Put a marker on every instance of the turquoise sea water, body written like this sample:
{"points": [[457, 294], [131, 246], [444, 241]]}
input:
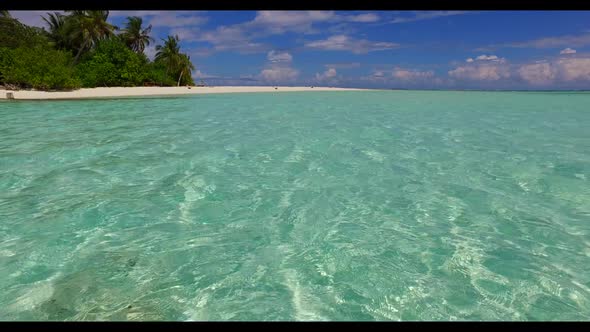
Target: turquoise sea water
{"points": [[381, 205]]}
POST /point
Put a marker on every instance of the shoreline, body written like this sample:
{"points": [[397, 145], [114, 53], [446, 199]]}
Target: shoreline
{"points": [[115, 92], [155, 92]]}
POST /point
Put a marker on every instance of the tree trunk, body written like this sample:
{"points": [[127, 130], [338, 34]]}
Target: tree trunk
{"points": [[182, 72], [79, 52], [165, 76]]}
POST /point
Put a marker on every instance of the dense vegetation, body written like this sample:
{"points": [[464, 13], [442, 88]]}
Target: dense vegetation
{"points": [[81, 49]]}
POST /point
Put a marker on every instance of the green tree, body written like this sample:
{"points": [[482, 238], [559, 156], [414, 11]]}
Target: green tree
{"points": [[37, 67], [57, 32], [112, 63], [156, 73], [85, 28], [77, 50], [186, 67], [14, 34], [134, 36], [169, 53], [176, 63], [22, 55]]}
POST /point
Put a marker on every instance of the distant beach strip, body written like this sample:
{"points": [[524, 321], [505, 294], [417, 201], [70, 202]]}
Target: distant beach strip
{"points": [[115, 92]]}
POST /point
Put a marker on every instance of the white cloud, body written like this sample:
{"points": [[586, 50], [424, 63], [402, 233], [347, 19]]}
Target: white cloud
{"points": [[201, 52], [274, 56], [222, 34], [279, 74], [140, 13], [552, 42], [574, 69], [345, 43], [378, 73], [561, 70], [287, 17], [427, 15], [241, 37], [331, 72], [482, 71], [184, 34], [279, 69], [484, 57], [377, 76], [567, 51], [150, 51], [200, 75], [245, 48], [155, 18], [344, 65], [364, 18], [404, 76], [327, 75], [485, 73], [538, 73], [177, 19], [168, 19], [487, 57], [411, 75], [278, 22], [482, 68], [224, 38]]}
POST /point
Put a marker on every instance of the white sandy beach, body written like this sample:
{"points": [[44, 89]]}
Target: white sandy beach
{"points": [[152, 91]]}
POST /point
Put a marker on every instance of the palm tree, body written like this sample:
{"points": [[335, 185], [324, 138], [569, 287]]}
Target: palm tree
{"points": [[185, 65], [5, 14], [134, 36], [170, 55], [56, 23], [87, 27]]}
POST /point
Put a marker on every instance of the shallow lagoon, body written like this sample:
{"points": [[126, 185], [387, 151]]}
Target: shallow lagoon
{"points": [[368, 205]]}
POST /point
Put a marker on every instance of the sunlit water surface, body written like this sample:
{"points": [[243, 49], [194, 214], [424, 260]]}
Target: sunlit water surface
{"points": [[384, 205]]}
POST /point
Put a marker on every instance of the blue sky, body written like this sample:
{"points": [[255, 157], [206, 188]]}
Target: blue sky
{"points": [[378, 49]]}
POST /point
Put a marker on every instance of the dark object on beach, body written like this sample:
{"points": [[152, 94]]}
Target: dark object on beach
{"points": [[188, 87], [312, 87], [9, 95], [276, 88]]}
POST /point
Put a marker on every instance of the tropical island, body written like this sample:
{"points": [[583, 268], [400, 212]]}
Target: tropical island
{"points": [[82, 50], [82, 55]]}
